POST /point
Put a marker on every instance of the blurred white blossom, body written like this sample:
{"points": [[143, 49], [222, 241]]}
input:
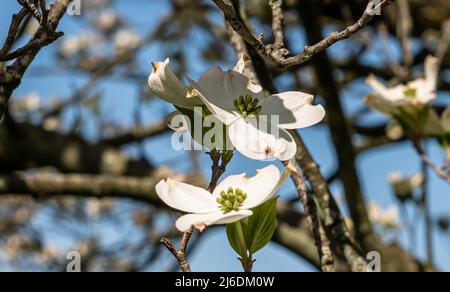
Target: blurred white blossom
{"points": [[388, 218], [107, 20], [404, 186], [26, 103], [51, 124], [405, 97], [126, 40], [73, 45]]}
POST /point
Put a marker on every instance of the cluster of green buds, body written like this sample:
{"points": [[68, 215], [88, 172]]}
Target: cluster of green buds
{"points": [[410, 92], [231, 200], [247, 106]]}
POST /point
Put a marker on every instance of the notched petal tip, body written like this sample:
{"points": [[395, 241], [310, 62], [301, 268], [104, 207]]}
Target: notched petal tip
{"points": [[200, 226], [156, 66], [291, 167], [309, 99]]}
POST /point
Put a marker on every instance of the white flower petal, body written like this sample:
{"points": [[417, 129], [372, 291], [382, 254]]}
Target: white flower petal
{"points": [[294, 109], [226, 116], [259, 188], [253, 140], [306, 116], [424, 93], [431, 72], [240, 66], [219, 89], [185, 197], [201, 221], [164, 83], [263, 186], [393, 94], [238, 181], [377, 86]]}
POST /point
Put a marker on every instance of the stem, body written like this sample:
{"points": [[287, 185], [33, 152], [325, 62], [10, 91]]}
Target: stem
{"points": [[427, 214], [440, 172], [247, 262], [180, 255], [220, 161]]}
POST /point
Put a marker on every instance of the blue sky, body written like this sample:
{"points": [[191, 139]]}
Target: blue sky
{"points": [[214, 254]]}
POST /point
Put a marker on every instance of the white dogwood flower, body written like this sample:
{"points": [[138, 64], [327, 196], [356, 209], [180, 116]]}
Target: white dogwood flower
{"points": [[415, 94], [256, 124], [232, 200]]}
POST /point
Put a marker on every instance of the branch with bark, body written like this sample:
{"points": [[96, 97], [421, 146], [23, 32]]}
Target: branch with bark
{"points": [[11, 78], [276, 56]]}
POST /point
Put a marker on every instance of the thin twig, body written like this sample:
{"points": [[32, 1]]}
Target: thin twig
{"points": [[443, 44], [180, 255], [425, 205], [32, 8], [37, 43], [404, 30], [273, 56], [277, 27], [44, 10], [440, 172], [13, 30]]}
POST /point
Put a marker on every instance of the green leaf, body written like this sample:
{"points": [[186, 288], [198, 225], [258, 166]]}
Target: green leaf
{"points": [[233, 238], [261, 226]]}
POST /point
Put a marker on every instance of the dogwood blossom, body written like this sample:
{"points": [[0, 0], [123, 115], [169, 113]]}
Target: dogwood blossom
{"points": [[256, 124], [388, 218], [415, 94], [232, 200], [73, 45], [405, 186], [126, 40], [27, 103], [107, 20]]}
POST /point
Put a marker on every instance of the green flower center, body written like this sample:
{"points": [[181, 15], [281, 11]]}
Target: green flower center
{"points": [[247, 106], [231, 200], [410, 92]]}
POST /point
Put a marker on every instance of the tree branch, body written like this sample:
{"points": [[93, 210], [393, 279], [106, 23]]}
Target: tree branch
{"points": [[273, 56]]}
